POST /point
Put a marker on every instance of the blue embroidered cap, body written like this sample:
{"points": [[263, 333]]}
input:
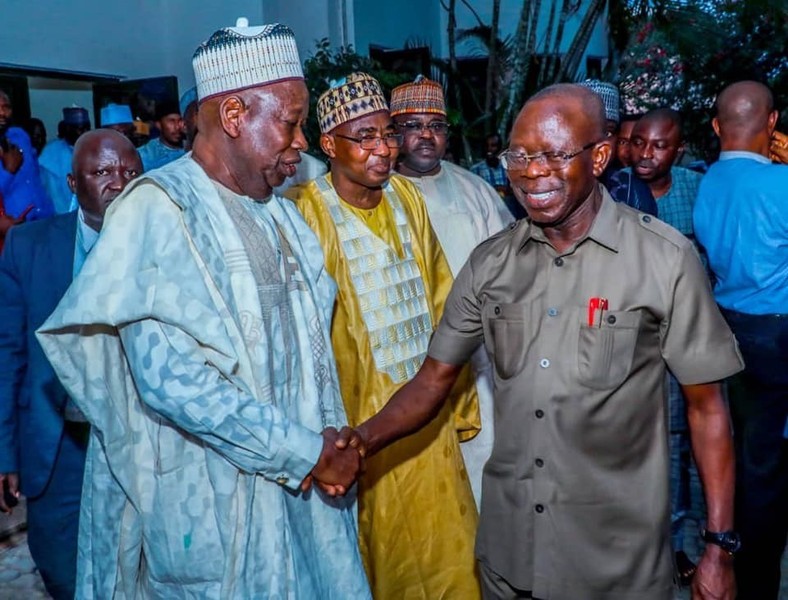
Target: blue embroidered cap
{"points": [[115, 114]]}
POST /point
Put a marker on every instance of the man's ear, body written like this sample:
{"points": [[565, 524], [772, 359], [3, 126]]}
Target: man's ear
{"points": [[72, 183], [773, 117], [680, 152], [600, 155], [327, 145], [231, 111], [715, 125]]}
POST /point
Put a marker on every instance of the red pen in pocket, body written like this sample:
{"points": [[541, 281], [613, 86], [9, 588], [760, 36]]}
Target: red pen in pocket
{"points": [[596, 304]]}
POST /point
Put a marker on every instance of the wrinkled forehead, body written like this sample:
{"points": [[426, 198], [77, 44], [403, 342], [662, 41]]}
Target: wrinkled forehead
{"points": [[105, 151], [372, 123], [552, 123], [420, 117], [656, 128]]}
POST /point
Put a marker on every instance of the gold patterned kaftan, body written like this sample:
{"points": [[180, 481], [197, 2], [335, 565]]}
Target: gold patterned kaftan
{"points": [[417, 518]]}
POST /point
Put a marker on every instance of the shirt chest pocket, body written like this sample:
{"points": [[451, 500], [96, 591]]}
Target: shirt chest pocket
{"points": [[605, 351], [507, 326]]}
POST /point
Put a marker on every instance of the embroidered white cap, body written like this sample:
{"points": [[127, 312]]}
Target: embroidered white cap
{"points": [[241, 57]]}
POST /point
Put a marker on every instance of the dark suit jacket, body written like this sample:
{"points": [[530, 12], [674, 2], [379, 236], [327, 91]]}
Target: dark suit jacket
{"points": [[36, 268]]}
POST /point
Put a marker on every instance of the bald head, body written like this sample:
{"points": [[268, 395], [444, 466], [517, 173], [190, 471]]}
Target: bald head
{"points": [[745, 117], [662, 116], [569, 97], [103, 164], [91, 142]]}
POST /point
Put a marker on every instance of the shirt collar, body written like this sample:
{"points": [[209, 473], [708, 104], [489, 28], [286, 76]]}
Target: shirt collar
{"points": [[87, 233], [604, 229], [731, 154]]}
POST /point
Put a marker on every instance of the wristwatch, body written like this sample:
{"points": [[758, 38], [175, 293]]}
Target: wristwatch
{"points": [[727, 540]]}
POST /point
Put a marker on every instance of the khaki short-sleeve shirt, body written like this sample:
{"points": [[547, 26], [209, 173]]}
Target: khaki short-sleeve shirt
{"points": [[575, 495]]}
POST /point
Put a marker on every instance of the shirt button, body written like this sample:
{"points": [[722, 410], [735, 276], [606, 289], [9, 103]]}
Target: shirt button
{"points": [[552, 312], [539, 508], [282, 480], [539, 413], [539, 462], [497, 310], [559, 262], [646, 218], [544, 363], [611, 319]]}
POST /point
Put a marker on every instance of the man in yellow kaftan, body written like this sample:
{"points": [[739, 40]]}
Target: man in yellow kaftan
{"points": [[417, 518]]}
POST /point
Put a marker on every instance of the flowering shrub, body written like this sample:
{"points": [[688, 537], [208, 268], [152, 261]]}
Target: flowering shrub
{"points": [[651, 74]]}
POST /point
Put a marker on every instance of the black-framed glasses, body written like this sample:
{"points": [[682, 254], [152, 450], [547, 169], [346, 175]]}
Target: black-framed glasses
{"points": [[392, 140], [436, 127], [518, 161]]}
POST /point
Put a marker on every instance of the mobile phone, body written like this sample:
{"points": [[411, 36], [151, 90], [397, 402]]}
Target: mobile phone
{"points": [[10, 500]]}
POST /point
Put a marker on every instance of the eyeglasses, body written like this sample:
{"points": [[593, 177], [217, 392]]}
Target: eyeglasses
{"points": [[436, 127], [392, 140], [555, 161]]}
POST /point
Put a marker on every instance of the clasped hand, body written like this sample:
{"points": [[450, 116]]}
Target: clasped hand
{"points": [[340, 464]]}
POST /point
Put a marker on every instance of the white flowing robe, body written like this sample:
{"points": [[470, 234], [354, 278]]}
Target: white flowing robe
{"points": [[464, 211], [205, 406]]}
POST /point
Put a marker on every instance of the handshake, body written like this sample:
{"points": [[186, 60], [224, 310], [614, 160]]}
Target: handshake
{"points": [[340, 464]]}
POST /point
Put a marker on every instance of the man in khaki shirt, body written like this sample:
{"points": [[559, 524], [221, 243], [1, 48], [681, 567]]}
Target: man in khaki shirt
{"points": [[581, 308]]}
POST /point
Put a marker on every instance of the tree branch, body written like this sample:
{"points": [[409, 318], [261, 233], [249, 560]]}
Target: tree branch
{"points": [[473, 10]]}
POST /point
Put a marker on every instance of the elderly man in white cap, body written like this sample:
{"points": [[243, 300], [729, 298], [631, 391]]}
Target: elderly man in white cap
{"points": [[196, 342], [464, 211], [416, 509]]}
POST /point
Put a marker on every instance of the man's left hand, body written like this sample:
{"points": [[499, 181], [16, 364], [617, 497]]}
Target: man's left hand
{"points": [[714, 578]]}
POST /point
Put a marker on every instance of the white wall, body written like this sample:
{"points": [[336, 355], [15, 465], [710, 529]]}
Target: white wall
{"points": [[188, 23], [313, 20], [78, 35], [49, 96], [128, 38]]}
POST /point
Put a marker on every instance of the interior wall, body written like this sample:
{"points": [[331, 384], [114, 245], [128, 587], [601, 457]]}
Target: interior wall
{"points": [[392, 24], [49, 96], [130, 39], [188, 23], [79, 35]]}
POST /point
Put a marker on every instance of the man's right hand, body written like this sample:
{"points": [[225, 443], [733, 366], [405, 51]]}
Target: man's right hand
{"points": [[12, 159], [337, 468], [778, 150], [8, 482]]}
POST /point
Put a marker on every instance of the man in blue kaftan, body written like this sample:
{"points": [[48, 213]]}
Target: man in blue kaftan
{"points": [[204, 363]]}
